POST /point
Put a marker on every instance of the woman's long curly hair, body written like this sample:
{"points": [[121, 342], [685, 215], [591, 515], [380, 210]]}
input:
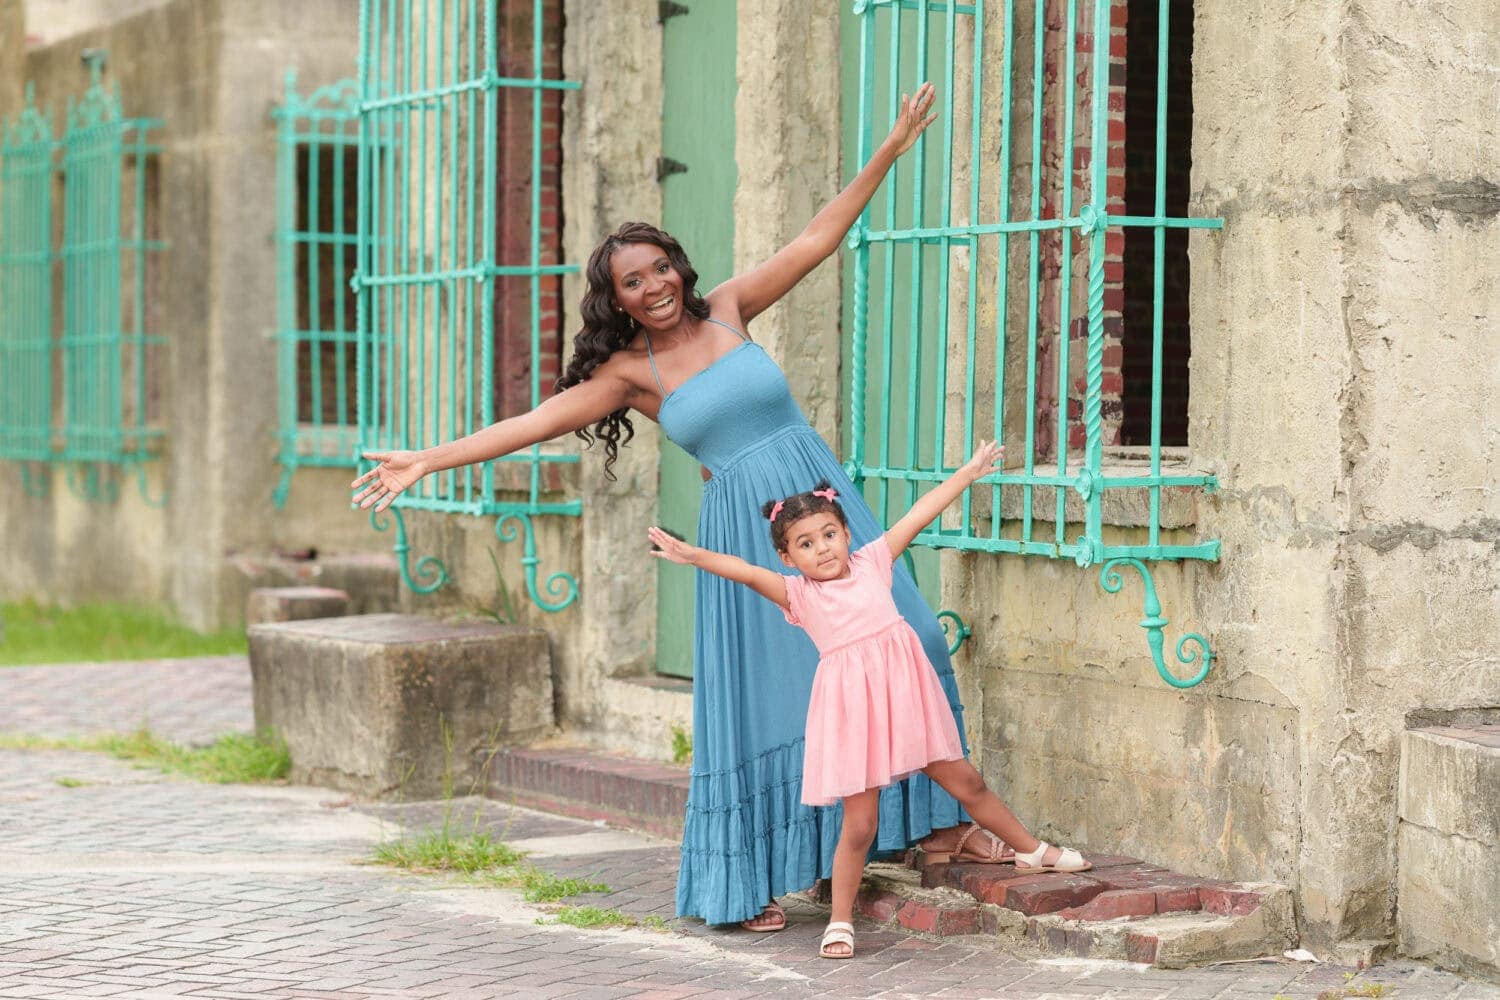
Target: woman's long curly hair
{"points": [[606, 330]]}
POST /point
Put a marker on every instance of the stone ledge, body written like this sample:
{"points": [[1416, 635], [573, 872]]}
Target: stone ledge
{"points": [[1448, 846], [627, 791], [289, 604], [398, 704]]}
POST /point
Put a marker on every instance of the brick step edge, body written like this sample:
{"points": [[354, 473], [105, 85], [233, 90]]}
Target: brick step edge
{"points": [[590, 784], [1244, 920]]}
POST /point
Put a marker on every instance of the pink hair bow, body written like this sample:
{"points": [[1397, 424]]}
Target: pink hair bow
{"points": [[830, 493], [776, 510]]}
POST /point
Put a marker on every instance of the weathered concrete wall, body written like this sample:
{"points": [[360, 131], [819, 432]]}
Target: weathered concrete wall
{"points": [[611, 139], [1343, 390], [786, 123], [50, 21], [211, 72], [12, 55]]}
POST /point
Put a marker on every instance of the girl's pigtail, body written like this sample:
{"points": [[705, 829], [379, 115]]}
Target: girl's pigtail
{"points": [[767, 508]]}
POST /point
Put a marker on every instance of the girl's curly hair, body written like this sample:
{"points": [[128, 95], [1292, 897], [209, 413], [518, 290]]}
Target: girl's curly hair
{"points": [[787, 511], [606, 331]]}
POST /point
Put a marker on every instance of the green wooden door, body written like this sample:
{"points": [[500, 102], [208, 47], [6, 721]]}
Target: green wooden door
{"points": [[698, 209]]}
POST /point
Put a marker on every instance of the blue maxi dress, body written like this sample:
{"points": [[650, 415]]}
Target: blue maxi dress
{"points": [[747, 837]]}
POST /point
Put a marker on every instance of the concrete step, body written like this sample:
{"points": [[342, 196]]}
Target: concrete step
{"points": [[640, 794], [1122, 909]]}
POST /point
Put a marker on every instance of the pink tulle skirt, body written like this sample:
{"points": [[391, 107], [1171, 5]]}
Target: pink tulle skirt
{"points": [[877, 715]]}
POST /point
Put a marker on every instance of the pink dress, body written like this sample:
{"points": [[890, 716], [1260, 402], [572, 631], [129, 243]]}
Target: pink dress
{"points": [[878, 712]]}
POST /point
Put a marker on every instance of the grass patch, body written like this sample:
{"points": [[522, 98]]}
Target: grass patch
{"points": [[1362, 990], [232, 759], [591, 917], [38, 633], [440, 851], [71, 782], [479, 856]]}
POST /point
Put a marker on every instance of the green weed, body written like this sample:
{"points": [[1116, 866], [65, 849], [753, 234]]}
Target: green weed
{"points": [[71, 782], [682, 745], [1362, 990], [595, 917]]}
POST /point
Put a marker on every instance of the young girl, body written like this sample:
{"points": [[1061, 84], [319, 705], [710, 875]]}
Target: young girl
{"points": [[877, 713]]}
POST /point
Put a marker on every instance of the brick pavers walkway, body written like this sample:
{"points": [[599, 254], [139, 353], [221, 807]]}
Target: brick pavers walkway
{"points": [[125, 882]]}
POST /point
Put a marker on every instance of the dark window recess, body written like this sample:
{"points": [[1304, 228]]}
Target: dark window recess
{"points": [[1140, 199], [325, 314]]}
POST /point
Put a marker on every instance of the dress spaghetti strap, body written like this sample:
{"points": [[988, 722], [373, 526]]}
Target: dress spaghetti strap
{"points": [[726, 326], [651, 356]]}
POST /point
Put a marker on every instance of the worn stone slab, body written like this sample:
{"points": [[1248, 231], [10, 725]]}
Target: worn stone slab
{"points": [[1448, 843], [398, 704], [290, 604]]}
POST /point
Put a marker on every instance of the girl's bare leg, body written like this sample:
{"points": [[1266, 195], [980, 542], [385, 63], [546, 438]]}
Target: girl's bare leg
{"points": [[961, 780], [861, 817]]}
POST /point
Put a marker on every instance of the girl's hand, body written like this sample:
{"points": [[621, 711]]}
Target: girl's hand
{"points": [[672, 548], [913, 119], [384, 483], [988, 457]]}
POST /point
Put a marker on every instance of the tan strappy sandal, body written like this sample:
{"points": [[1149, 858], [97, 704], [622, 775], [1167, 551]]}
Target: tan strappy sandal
{"points": [[994, 852], [774, 909]]}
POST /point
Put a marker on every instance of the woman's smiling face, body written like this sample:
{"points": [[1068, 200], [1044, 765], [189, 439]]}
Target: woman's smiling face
{"points": [[646, 285]]}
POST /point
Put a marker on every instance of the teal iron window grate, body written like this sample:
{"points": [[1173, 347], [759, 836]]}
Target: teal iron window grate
{"points": [[317, 155], [431, 275], [107, 167], [928, 327]]}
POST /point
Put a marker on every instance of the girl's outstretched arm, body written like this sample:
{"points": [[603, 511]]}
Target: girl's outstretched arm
{"points": [[987, 457], [579, 406], [758, 289], [768, 584]]}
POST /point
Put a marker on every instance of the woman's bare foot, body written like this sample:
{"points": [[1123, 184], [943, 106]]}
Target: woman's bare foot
{"points": [[772, 918]]}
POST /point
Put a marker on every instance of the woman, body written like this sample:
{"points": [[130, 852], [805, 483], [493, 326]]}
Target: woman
{"points": [[650, 344]]}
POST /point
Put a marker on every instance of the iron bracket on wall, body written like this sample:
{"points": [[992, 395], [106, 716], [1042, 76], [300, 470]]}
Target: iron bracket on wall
{"points": [[1153, 623], [666, 10]]}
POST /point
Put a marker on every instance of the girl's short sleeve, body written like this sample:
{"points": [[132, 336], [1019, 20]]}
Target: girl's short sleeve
{"points": [[878, 555], [794, 594]]}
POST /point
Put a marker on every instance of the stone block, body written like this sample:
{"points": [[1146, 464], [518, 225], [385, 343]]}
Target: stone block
{"points": [[292, 604], [388, 704], [1448, 843]]}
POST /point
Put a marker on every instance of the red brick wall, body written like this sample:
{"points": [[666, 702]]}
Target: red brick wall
{"points": [[1128, 262], [512, 343]]}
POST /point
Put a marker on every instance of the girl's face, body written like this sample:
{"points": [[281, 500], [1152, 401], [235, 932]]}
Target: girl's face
{"points": [[646, 285], [817, 546]]}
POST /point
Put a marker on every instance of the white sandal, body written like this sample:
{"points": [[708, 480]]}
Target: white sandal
{"points": [[838, 932], [1068, 861]]}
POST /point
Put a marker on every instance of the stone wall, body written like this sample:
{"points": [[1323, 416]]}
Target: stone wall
{"points": [[1343, 390], [212, 72]]}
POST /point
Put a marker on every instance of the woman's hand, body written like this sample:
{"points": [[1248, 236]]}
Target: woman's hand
{"points": [[913, 119], [397, 470], [672, 548], [988, 457]]}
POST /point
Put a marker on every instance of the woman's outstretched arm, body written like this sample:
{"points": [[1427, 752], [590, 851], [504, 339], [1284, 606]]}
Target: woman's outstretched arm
{"points": [[575, 407], [758, 289]]}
